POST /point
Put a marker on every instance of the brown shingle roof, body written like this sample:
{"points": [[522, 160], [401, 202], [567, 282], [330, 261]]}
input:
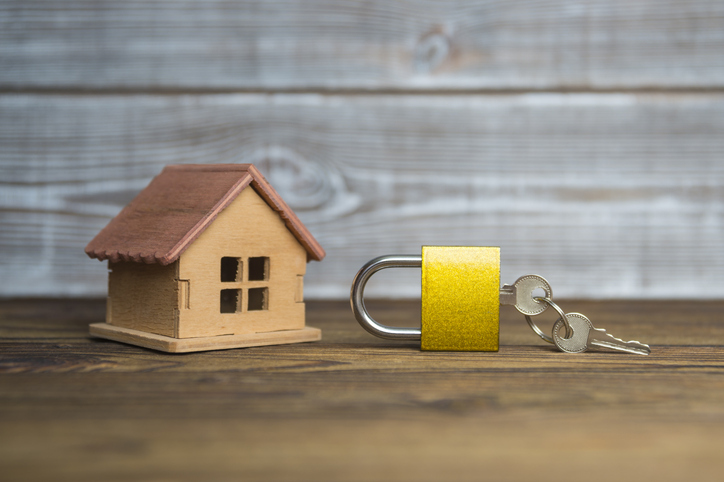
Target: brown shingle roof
{"points": [[178, 205]]}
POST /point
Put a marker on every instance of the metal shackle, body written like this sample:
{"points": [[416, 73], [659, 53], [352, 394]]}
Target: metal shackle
{"points": [[358, 302]]}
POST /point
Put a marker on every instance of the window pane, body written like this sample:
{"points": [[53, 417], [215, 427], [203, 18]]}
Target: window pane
{"points": [[230, 269], [230, 301], [258, 299], [258, 269]]}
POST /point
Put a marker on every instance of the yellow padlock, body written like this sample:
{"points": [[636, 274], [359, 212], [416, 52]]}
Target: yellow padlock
{"points": [[460, 298]]}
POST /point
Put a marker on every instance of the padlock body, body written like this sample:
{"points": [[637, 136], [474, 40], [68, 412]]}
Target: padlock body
{"points": [[460, 298]]}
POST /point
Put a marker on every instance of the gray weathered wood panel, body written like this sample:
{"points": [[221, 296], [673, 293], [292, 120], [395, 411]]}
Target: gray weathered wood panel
{"points": [[320, 44], [607, 195]]}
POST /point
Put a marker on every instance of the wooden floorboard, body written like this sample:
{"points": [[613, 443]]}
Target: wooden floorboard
{"points": [[354, 407]]}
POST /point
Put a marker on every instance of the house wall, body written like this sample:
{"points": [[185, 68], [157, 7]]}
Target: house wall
{"points": [[247, 228], [143, 297]]}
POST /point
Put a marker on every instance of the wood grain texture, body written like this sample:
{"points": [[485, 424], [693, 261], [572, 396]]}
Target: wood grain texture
{"points": [[606, 195], [354, 407], [156, 45]]}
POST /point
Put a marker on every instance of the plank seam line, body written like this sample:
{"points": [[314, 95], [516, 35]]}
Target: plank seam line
{"points": [[85, 91]]}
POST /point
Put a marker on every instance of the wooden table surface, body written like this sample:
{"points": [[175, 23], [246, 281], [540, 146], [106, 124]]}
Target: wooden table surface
{"points": [[353, 407]]}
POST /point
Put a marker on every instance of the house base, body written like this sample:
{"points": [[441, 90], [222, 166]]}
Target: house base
{"points": [[185, 345]]}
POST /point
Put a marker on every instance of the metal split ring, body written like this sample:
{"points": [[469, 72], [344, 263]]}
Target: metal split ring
{"points": [[538, 331]]}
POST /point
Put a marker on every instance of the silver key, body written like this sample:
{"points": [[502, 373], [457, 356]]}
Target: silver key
{"points": [[520, 294], [585, 336]]}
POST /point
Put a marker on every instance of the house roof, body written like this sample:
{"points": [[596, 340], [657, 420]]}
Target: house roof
{"points": [[178, 205]]}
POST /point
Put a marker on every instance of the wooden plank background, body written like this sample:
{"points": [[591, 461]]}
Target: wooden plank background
{"points": [[360, 44], [584, 138]]}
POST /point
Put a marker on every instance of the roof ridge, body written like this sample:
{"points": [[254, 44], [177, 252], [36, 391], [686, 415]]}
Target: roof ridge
{"points": [[208, 167]]}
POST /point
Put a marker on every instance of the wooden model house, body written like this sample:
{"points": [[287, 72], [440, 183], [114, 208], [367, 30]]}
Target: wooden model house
{"points": [[206, 257]]}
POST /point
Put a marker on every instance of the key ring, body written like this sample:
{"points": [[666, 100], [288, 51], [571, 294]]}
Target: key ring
{"points": [[538, 331]]}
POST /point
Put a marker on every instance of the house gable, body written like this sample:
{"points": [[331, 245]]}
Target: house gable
{"points": [[247, 228]]}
